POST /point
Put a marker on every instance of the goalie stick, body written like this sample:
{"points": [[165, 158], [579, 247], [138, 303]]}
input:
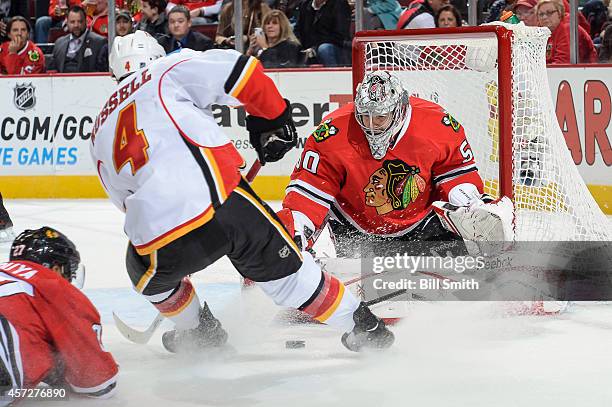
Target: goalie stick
{"points": [[142, 337]]}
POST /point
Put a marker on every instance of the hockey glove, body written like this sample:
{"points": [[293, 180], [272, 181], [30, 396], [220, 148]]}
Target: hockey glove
{"points": [[299, 226], [272, 139], [481, 221]]}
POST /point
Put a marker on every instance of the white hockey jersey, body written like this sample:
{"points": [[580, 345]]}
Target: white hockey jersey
{"points": [[159, 153]]}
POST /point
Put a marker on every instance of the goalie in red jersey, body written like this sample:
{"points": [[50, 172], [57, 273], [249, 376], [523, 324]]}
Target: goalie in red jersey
{"points": [[380, 170]]}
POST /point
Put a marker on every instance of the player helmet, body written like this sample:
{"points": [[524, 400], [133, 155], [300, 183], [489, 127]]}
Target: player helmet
{"points": [[48, 247], [381, 108], [132, 52]]}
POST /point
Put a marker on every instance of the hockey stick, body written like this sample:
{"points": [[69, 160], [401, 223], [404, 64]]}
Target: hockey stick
{"points": [[142, 337]]}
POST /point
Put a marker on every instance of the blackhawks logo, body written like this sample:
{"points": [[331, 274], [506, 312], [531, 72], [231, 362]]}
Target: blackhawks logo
{"points": [[324, 131], [394, 186], [451, 122], [33, 55]]}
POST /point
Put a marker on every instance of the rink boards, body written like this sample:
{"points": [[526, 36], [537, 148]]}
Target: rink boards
{"points": [[46, 122]]}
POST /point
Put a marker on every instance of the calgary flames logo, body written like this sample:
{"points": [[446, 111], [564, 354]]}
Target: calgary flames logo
{"points": [[394, 186]]}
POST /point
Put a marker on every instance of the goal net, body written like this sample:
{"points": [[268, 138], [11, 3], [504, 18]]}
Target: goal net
{"points": [[492, 79]]}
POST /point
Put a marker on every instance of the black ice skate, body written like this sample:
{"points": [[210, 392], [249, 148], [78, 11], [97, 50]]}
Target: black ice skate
{"points": [[208, 334], [369, 332]]}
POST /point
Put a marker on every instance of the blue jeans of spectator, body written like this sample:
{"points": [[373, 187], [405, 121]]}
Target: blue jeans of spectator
{"points": [[329, 54], [42, 27]]}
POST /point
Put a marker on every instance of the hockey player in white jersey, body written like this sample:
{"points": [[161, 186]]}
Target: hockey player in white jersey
{"points": [[164, 161]]}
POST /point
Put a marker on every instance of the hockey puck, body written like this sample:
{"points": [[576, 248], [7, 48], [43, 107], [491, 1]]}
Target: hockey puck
{"points": [[295, 344]]}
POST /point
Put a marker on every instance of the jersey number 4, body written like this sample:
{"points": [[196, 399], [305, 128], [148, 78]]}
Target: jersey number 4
{"points": [[130, 144]]}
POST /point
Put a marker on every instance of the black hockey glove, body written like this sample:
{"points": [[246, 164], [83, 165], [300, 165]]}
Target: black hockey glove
{"points": [[272, 139]]}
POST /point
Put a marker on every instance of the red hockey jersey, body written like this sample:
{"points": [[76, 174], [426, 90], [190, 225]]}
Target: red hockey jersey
{"points": [[27, 61], [388, 197], [58, 328]]}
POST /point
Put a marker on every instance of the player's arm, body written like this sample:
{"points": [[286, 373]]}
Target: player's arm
{"points": [[314, 184], [76, 331], [229, 78], [461, 204]]}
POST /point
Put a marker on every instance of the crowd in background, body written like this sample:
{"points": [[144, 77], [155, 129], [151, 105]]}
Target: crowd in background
{"points": [[70, 35]]}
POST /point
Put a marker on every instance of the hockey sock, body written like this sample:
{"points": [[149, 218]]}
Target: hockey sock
{"points": [[316, 293], [182, 306]]}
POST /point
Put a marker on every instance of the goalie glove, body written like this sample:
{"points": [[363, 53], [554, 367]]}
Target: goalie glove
{"points": [[480, 221], [272, 139], [299, 226]]}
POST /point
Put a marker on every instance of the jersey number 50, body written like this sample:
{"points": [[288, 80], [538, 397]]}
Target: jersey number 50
{"points": [[130, 144]]}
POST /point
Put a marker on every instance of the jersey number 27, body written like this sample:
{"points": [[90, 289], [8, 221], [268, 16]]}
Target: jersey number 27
{"points": [[130, 144]]}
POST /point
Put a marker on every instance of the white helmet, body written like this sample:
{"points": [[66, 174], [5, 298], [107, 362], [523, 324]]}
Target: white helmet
{"points": [[132, 52], [381, 94]]}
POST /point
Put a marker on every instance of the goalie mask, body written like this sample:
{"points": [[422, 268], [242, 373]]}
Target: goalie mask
{"points": [[381, 108], [48, 247]]}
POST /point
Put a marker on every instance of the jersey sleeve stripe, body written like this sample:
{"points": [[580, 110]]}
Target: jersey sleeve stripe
{"points": [[10, 354], [275, 223], [148, 275], [316, 191], [240, 75], [175, 233], [447, 176]]}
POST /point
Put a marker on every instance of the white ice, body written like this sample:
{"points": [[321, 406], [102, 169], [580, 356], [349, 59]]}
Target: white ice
{"points": [[446, 354]]}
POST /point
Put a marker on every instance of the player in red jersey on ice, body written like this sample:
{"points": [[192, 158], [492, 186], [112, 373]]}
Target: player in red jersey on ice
{"points": [[49, 331], [376, 167]]}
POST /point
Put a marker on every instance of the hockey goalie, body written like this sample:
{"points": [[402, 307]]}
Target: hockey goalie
{"points": [[390, 169]]}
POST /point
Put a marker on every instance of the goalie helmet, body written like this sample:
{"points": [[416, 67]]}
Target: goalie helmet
{"points": [[132, 52], [381, 108], [48, 247]]}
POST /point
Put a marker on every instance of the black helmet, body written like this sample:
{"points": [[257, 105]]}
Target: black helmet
{"points": [[48, 247]]}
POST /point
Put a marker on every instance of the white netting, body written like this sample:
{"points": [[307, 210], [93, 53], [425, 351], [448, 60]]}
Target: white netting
{"points": [[459, 72]]}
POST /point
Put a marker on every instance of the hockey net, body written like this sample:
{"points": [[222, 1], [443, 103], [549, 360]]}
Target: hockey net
{"points": [[493, 81]]}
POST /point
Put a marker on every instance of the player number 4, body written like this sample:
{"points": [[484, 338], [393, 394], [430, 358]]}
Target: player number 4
{"points": [[130, 144], [466, 152]]}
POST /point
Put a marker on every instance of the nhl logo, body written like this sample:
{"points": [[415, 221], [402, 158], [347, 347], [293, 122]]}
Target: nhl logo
{"points": [[284, 252], [23, 96]]}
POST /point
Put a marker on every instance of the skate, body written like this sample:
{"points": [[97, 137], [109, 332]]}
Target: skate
{"points": [[369, 332], [209, 333]]}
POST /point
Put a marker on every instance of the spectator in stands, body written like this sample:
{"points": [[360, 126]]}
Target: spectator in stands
{"points": [[551, 14], [154, 19], [323, 28], [202, 12], [526, 12], [288, 7], [97, 11], [8, 9], [605, 50], [497, 8], [252, 16], [82, 50], [420, 14], [58, 9], [378, 14], [596, 13], [448, 16], [19, 55], [123, 23], [276, 46], [181, 35]]}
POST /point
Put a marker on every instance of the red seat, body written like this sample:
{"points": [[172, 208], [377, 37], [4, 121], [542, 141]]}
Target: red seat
{"points": [[404, 3], [209, 30]]}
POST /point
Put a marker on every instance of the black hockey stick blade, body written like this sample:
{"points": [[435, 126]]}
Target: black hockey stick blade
{"points": [[140, 337]]}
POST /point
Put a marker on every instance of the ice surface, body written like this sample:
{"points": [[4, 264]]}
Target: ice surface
{"points": [[446, 354]]}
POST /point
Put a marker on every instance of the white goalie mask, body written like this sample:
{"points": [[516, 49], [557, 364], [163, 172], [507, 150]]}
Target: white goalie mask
{"points": [[381, 107]]}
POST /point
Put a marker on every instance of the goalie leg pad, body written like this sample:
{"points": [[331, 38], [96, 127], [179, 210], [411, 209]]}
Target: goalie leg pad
{"points": [[480, 222]]}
